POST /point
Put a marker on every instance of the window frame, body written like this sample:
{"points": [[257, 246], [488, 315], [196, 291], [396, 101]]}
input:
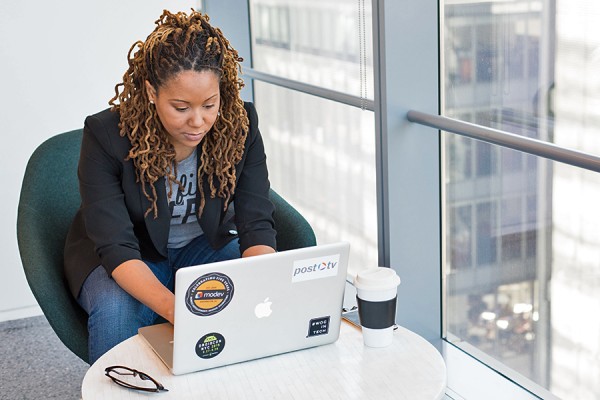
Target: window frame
{"points": [[410, 211]]}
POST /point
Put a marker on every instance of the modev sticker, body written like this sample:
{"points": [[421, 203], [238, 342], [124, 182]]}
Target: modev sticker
{"points": [[315, 268], [209, 294]]}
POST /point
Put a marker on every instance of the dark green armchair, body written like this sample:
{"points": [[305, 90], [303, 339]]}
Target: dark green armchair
{"points": [[48, 202]]}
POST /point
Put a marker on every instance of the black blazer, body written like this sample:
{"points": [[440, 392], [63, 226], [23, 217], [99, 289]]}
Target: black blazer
{"points": [[109, 227]]}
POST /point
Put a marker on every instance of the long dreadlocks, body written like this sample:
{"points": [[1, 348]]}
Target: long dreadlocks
{"points": [[182, 42]]}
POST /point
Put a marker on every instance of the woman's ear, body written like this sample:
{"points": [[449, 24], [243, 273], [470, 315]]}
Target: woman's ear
{"points": [[151, 92]]}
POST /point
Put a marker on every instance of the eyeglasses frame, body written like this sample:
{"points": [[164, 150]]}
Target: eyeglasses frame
{"points": [[134, 372]]}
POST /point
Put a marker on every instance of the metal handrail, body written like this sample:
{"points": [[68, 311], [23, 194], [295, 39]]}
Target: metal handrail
{"points": [[506, 139], [329, 94]]}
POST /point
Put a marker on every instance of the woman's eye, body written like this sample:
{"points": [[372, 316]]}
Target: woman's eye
{"points": [[181, 109], [209, 106]]}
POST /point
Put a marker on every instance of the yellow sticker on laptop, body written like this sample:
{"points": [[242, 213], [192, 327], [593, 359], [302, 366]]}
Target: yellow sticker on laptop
{"points": [[209, 294]]}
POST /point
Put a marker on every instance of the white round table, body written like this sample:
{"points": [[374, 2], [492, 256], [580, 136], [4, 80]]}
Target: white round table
{"points": [[411, 368]]}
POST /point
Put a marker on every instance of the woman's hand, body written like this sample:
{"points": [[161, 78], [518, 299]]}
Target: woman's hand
{"points": [[258, 250]]}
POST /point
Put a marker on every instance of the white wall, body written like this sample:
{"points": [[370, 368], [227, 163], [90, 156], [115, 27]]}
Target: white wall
{"points": [[59, 62]]}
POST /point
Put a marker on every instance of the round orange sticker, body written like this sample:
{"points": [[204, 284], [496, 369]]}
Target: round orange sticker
{"points": [[209, 294]]}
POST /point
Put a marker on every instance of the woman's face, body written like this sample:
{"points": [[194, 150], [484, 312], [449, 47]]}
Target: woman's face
{"points": [[188, 106]]}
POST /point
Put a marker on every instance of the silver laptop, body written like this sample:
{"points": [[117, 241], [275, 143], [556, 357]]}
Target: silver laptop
{"points": [[243, 309]]}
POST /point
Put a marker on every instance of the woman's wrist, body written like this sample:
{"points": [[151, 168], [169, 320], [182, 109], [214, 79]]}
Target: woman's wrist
{"points": [[168, 311]]}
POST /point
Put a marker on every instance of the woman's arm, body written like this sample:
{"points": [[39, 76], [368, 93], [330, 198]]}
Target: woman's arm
{"points": [[101, 172], [107, 218], [138, 280]]}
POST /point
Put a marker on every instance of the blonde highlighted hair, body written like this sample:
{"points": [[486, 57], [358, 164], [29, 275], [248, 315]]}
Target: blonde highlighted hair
{"points": [[182, 42]]}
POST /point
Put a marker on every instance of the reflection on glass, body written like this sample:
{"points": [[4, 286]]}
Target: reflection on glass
{"points": [[315, 41], [522, 236], [321, 157]]}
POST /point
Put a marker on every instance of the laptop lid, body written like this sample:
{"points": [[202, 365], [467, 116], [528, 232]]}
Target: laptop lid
{"points": [[243, 309]]}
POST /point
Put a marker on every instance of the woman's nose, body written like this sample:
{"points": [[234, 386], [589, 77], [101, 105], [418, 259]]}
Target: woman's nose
{"points": [[196, 119]]}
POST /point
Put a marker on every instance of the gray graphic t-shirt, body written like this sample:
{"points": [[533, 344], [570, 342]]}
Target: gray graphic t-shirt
{"points": [[182, 204]]}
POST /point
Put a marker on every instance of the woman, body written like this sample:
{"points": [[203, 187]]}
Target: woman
{"points": [[160, 173]]}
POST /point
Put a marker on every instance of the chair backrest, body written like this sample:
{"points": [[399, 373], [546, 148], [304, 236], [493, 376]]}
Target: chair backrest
{"points": [[293, 231], [48, 202]]}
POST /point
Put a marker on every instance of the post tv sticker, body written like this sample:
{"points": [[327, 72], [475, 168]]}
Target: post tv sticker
{"points": [[210, 345], [209, 294], [315, 268]]}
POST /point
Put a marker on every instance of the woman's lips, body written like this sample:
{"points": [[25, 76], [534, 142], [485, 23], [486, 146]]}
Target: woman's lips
{"points": [[193, 136]]}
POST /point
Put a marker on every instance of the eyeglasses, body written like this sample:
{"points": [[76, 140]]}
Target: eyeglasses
{"points": [[133, 379]]}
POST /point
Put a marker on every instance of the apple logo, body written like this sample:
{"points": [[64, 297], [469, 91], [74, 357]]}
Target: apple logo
{"points": [[263, 309]]}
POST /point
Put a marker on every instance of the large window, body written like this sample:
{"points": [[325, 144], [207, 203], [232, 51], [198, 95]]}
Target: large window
{"points": [[512, 245], [325, 165], [326, 43], [522, 240], [321, 153]]}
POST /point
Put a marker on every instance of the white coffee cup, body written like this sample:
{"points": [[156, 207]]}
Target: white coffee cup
{"points": [[376, 292]]}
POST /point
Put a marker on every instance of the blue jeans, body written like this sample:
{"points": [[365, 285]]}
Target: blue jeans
{"points": [[114, 315]]}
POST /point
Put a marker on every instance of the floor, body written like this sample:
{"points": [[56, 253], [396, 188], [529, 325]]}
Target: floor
{"points": [[34, 364]]}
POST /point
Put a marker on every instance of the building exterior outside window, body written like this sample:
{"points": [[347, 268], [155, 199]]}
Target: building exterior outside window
{"points": [[522, 237]]}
